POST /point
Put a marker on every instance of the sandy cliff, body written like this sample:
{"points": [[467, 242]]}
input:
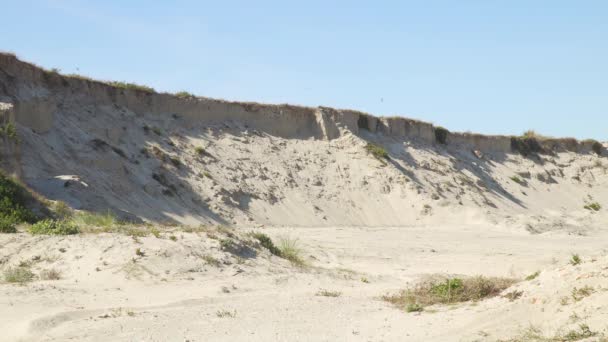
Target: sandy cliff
{"points": [[153, 156]]}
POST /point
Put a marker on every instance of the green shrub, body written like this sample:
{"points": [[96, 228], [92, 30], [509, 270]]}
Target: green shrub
{"points": [[378, 152], [53, 227], [267, 243], [527, 144], [7, 225], [8, 130], [596, 146], [18, 275], [132, 86], [441, 135], [575, 259], [516, 179], [13, 200], [533, 275], [184, 95], [593, 206]]}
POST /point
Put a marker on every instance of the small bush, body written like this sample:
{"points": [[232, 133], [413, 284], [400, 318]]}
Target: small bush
{"points": [[18, 275], [517, 180], [583, 332], [575, 259], [579, 294], [154, 231], [7, 225], [175, 161], [8, 130], [327, 293], [593, 206], [226, 314], [526, 144], [450, 290], [414, 308], [597, 147], [13, 201], [441, 135], [199, 150], [267, 243], [210, 260], [50, 274], [62, 211], [378, 152], [184, 95], [533, 275], [53, 227], [132, 86]]}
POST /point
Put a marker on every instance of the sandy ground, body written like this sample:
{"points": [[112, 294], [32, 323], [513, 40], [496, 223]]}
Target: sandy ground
{"points": [[172, 294]]}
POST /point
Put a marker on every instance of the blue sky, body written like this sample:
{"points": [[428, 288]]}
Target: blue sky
{"points": [[495, 67]]}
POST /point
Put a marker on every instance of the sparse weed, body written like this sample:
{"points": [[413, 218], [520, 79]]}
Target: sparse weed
{"points": [[154, 231], [533, 275], [575, 259], [225, 314], [50, 274], [327, 293], [593, 206], [210, 260], [580, 294]]}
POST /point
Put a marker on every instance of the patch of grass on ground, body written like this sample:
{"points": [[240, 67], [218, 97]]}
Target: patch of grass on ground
{"points": [[448, 291], [327, 293], [593, 206]]}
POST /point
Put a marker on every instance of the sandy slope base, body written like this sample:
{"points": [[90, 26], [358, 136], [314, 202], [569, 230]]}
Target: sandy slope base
{"points": [[174, 293]]}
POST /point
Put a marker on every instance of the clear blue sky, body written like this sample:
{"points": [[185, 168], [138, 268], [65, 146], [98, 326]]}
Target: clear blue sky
{"points": [[487, 66]]}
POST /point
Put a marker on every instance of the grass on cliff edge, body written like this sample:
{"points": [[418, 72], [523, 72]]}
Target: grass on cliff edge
{"points": [[448, 291]]}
